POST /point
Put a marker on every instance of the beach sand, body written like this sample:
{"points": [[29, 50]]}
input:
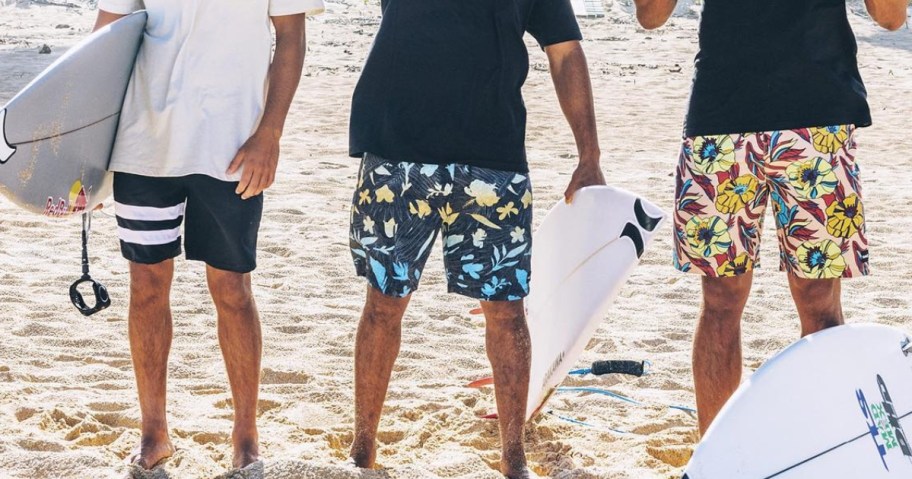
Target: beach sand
{"points": [[67, 398]]}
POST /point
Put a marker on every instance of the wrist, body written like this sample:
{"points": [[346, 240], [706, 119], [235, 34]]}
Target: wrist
{"points": [[271, 132]]}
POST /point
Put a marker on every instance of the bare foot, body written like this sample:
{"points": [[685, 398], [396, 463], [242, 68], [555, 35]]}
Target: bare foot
{"points": [[363, 454], [246, 452], [515, 467], [151, 451], [523, 473]]}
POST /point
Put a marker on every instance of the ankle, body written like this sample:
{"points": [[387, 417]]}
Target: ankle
{"points": [[363, 453]]}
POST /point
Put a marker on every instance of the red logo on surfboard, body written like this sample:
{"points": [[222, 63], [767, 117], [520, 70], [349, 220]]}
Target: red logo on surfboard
{"points": [[78, 201]]}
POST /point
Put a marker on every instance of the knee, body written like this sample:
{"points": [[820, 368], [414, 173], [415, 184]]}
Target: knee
{"points": [[383, 311], [231, 291], [150, 284], [724, 298], [504, 314]]}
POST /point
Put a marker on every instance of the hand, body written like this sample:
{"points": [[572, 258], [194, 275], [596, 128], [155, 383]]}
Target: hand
{"points": [[260, 157], [588, 173]]}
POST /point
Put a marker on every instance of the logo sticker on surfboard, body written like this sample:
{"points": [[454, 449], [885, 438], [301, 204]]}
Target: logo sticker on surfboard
{"points": [[883, 423], [6, 150], [78, 201]]}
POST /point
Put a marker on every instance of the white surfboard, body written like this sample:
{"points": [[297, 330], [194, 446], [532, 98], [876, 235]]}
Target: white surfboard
{"points": [[582, 254], [834, 405], [56, 135]]}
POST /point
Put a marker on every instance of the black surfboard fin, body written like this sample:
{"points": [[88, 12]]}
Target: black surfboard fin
{"points": [[6, 150], [647, 222], [632, 232]]}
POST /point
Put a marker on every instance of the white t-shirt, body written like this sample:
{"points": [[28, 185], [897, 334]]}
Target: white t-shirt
{"points": [[199, 85]]}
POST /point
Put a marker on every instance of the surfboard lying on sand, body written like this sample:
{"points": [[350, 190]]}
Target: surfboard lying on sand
{"points": [[56, 135], [582, 254], [834, 405]]}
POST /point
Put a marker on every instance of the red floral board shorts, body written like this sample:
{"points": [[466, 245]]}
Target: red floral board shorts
{"points": [[723, 185]]}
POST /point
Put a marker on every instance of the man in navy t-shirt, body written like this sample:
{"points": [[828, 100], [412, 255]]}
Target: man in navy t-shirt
{"points": [[438, 122], [776, 100]]}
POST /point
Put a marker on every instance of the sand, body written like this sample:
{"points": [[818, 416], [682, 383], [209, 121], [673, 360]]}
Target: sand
{"points": [[67, 398]]}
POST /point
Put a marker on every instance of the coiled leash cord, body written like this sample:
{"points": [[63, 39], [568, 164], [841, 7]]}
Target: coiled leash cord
{"points": [[102, 300]]}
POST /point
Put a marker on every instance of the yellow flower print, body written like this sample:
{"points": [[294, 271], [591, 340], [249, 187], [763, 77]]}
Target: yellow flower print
{"points": [[740, 265], [821, 260], [812, 178], [390, 227], [384, 193], [364, 197], [447, 214], [829, 139], [368, 224], [845, 218], [735, 194], [708, 236], [506, 210], [420, 208], [485, 194], [712, 154], [526, 199]]}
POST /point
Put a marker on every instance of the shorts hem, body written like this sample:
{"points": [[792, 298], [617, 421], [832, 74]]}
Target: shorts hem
{"points": [[154, 259], [234, 268]]}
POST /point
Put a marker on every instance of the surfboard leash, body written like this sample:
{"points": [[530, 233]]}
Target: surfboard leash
{"points": [[102, 300], [585, 424], [605, 392]]}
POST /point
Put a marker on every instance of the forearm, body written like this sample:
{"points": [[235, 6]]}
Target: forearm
{"points": [[570, 74], [284, 77], [654, 13], [105, 18], [890, 14]]}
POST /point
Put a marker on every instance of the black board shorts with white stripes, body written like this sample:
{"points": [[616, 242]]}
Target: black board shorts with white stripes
{"points": [[219, 227]]}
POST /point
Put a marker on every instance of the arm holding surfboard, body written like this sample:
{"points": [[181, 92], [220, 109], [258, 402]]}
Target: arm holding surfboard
{"points": [[570, 74], [105, 18]]}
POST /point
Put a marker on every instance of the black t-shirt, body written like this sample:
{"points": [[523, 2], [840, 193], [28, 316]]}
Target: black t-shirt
{"points": [[442, 81], [769, 65]]}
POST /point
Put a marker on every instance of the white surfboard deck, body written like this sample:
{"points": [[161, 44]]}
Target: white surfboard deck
{"points": [[56, 135], [582, 254], [834, 405]]}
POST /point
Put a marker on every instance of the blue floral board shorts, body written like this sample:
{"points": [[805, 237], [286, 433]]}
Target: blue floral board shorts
{"points": [[485, 216]]}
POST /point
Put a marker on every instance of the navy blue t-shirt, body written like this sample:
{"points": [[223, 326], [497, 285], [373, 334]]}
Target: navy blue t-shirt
{"points": [[442, 81], [769, 65]]}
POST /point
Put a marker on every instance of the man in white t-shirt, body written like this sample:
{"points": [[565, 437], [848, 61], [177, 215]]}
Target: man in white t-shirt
{"points": [[199, 138]]}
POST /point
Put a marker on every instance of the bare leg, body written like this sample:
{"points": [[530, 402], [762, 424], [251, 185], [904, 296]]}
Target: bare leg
{"points": [[819, 303], [376, 349], [242, 347], [509, 350], [717, 344], [150, 342]]}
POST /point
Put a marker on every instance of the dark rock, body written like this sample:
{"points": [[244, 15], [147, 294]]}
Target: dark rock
{"points": [[44, 50]]}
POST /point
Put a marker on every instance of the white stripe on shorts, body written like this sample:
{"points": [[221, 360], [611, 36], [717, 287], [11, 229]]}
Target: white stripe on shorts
{"points": [[149, 238], [149, 213]]}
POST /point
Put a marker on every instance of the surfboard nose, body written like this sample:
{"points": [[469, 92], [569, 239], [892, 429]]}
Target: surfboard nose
{"points": [[6, 150]]}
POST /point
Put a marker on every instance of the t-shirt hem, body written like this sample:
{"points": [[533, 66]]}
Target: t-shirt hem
{"points": [[732, 129], [154, 173]]}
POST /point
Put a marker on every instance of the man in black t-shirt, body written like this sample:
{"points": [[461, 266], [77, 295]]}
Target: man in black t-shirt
{"points": [[776, 100], [438, 122]]}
